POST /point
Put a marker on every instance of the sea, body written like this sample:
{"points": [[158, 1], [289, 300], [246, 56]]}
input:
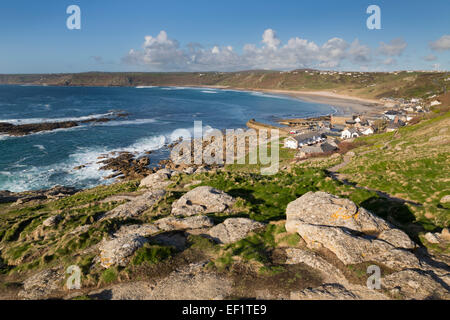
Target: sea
{"points": [[45, 159]]}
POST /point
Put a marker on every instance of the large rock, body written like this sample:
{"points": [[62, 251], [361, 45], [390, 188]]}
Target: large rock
{"points": [[329, 272], [124, 243], [234, 229], [157, 180], [136, 206], [202, 200], [192, 282], [445, 234], [337, 291], [143, 230], [329, 291], [415, 284], [352, 248], [118, 250], [353, 234], [397, 238], [321, 208], [433, 238], [51, 221], [41, 284], [193, 222]]}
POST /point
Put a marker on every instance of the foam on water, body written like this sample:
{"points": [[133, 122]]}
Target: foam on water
{"points": [[147, 144], [48, 158], [63, 173], [124, 122], [46, 120], [266, 95], [40, 147]]}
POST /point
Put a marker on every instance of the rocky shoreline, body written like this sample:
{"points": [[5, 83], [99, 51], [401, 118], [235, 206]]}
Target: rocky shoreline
{"points": [[18, 198], [19, 130]]}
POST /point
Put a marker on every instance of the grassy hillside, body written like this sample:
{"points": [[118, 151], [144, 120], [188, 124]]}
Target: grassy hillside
{"points": [[411, 164], [368, 84]]}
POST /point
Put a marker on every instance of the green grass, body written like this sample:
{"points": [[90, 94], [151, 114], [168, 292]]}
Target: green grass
{"points": [[110, 275], [264, 198], [57, 245], [255, 247], [404, 164], [410, 166], [202, 244], [151, 254]]}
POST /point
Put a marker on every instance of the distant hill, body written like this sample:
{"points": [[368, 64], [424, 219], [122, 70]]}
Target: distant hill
{"points": [[362, 84]]}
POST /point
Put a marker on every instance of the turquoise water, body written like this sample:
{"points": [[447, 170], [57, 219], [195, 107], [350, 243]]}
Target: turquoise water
{"points": [[45, 159]]}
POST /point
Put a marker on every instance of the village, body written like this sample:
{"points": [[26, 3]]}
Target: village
{"points": [[322, 135]]}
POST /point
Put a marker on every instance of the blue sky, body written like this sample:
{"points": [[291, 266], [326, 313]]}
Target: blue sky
{"points": [[222, 35]]}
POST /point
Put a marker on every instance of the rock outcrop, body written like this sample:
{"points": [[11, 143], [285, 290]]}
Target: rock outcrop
{"points": [[192, 282], [118, 250], [129, 238], [202, 200], [125, 165], [353, 234], [41, 284], [56, 192], [445, 199], [137, 206], [415, 284], [329, 272], [193, 222], [324, 209], [157, 180], [438, 238], [52, 221], [337, 291], [234, 229]]}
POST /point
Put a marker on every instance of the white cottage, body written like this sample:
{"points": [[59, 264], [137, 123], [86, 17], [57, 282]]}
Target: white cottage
{"points": [[349, 133], [367, 131]]}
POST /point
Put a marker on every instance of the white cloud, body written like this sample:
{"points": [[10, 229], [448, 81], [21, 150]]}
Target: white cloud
{"points": [[430, 57], [359, 53], [161, 53], [332, 53], [441, 44], [270, 39], [394, 48], [158, 52]]}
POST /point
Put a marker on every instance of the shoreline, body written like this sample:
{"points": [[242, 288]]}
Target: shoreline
{"points": [[345, 105]]}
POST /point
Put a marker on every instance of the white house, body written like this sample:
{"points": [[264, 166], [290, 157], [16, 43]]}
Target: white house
{"points": [[367, 131], [349, 133], [435, 103], [305, 139], [290, 143]]}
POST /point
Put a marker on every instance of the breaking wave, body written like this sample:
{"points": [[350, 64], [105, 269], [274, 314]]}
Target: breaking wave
{"points": [[47, 120]]}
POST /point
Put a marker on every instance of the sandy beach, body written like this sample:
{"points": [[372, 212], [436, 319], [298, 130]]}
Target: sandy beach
{"points": [[344, 104]]}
